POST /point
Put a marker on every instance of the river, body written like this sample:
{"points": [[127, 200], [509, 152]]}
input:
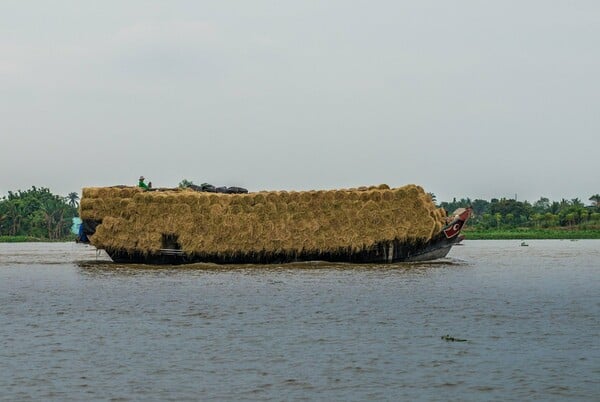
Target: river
{"points": [[74, 326]]}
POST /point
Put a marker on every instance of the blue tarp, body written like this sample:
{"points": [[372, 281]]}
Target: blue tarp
{"points": [[76, 225]]}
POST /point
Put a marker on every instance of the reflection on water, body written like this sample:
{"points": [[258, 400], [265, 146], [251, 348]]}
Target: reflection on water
{"points": [[49, 253], [91, 267], [74, 325]]}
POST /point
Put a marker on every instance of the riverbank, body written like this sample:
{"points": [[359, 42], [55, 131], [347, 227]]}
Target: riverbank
{"points": [[531, 234], [29, 239]]}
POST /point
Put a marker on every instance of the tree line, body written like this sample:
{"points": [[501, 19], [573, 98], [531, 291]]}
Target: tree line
{"points": [[37, 213], [543, 213]]}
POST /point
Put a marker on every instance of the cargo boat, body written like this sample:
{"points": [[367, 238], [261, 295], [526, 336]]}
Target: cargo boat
{"points": [[173, 226]]}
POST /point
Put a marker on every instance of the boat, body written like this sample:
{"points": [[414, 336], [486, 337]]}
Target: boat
{"points": [[374, 224]]}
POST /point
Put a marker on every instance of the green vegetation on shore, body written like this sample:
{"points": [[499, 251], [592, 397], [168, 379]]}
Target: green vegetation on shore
{"points": [[525, 233], [512, 219], [37, 215], [18, 239]]}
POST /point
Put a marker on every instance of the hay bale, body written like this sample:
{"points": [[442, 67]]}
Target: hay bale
{"points": [[227, 224]]}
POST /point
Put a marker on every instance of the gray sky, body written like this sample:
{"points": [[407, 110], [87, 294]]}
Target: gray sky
{"points": [[466, 98]]}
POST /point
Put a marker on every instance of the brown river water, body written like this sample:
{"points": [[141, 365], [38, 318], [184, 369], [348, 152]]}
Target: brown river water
{"points": [[523, 323]]}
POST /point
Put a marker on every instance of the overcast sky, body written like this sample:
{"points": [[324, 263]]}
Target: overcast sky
{"points": [[465, 98]]}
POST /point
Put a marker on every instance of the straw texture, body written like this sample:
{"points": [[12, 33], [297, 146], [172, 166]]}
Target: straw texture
{"points": [[275, 221]]}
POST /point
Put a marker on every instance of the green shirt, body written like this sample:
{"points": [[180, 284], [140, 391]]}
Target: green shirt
{"points": [[143, 185]]}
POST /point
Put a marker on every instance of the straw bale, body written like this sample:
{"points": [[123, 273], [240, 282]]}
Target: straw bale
{"points": [[304, 197], [289, 222], [258, 198], [273, 197], [365, 195], [340, 196], [354, 195], [88, 192], [244, 199], [87, 204], [234, 209], [214, 199]]}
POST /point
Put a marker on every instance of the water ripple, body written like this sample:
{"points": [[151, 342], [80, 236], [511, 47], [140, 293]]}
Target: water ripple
{"points": [[74, 326]]}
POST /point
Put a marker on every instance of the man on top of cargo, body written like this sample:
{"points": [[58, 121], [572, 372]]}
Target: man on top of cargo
{"points": [[141, 183]]}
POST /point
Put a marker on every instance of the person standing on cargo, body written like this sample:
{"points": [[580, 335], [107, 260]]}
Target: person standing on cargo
{"points": [[141, 184]]}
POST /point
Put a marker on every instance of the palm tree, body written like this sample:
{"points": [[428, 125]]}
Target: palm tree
{"points": [[48, 219], [73, 199], [59, 221], [14, 215], [595, 200]]}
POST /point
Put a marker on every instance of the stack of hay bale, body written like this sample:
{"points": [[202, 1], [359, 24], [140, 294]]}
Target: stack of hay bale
{"points": [[272, 222]]}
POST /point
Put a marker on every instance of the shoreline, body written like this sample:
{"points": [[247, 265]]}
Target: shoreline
{"points": [[30, 239], [532, 234]]}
